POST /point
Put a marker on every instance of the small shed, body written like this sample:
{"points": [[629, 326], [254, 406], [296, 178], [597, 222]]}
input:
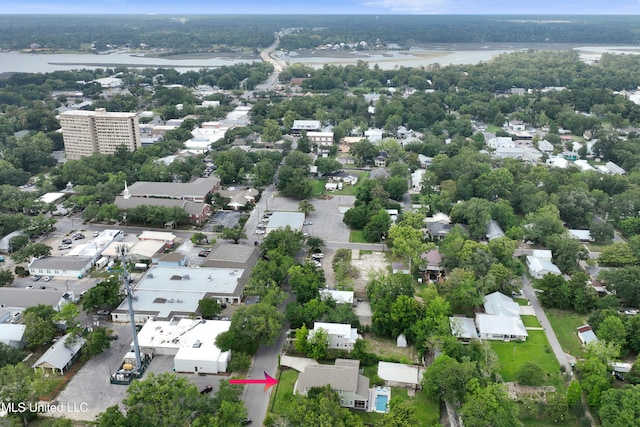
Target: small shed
{"points": [[586, 334], [401, 341]]}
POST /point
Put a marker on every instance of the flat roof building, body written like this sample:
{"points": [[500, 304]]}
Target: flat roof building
{"points": [[167, 292], [191, 342], [61, 266], [88, 132], [195, 191], [294, 220]]}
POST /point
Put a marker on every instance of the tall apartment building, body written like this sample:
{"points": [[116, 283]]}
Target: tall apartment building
{"points": [[99, 131]]}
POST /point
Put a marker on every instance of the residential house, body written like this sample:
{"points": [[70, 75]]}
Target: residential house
{"points": [[432, 268], [494, 230], [373, 135], [340, 297], [379, 173], [345, 159], [501, 319], [416, 180], [344, 378], [614, 169], [545, 146], [540, 267], [5, 242], [400, 267], [12, 334], [61, 355], [463, 327], [341, 336], [239, 198], [380, 160]]}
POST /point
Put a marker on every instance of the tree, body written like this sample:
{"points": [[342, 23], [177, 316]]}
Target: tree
{"points": [[401, 414], [601, 232], [396, 186], [566, 251], [198, 237], [68, 315], [407, 243], [6, 277], [39, 326], [306, 207], [317, 344], [447, 379], [530, 373], [618, 254], [251, 326], [545, 222], [489, 406], [10, 355], [168, 400], [300, 344], [283, 240], [97, 342], [21, 384], [626, 284], [315, 243], [209, 308], [377, 226], [327, 165], [577, 207], [405, 312], [620, 406], [104, 294], [321, 407], [305, 281], [234, 234], [612, 330], [32, 250], [271, 131]]}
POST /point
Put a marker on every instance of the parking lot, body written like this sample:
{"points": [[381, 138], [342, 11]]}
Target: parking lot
{"points": [[227, 219], [91, 384]]}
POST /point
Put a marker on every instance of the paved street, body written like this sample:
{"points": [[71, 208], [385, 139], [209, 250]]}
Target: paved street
{"points": [[542, 318]]}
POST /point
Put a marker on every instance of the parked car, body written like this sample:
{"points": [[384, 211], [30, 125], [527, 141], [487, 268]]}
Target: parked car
{"points": [[104, 312], [67, 241], [113, 337], [318, 255], [618, 375], [36, 278], [204, 253], [29, 287], [78, 236], [43, 287], [64, 247], [96, 233], [206, 390], [245, 422], [48, 278], [1, 258], [307, 223], [260, 231]]}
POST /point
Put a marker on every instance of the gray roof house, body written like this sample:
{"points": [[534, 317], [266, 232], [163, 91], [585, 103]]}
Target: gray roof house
{"points": [[494, 230], [61, 266], [60, 356], [4, 242], [344, 377]]}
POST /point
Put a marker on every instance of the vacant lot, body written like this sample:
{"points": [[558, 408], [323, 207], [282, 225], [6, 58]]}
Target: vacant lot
{"points": [[368, 264], [565, 324], [536, 349], [386, 347]]}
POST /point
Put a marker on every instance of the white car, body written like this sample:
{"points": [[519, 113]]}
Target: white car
{"points": [[48, 278], [259, 231]]}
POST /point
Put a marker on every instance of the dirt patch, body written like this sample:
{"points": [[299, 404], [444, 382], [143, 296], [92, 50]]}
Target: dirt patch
{"points": [[385, 347], [519, 392], [367, 264]]}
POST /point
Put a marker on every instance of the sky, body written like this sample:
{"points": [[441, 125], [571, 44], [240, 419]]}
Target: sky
{"points": [[374, 7]]}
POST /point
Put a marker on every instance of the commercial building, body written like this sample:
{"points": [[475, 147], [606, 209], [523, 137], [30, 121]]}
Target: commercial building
{"points": [[166, 293], [61, 266], [191, 342], [99, 131], [294, 220], [195, 191]]}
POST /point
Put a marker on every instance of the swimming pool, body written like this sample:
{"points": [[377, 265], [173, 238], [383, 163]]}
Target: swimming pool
{"points": [[381, 402]]}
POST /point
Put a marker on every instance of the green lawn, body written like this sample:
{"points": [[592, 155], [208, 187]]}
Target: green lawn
{"points": [[530, 321], [427, 411], [284, 390], [521, 301], [564, 324], [357, 236], [536, 349], [598, 247]]}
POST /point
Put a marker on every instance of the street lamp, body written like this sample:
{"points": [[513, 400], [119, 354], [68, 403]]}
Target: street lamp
{"points": [[124, 218], [382, 241]]}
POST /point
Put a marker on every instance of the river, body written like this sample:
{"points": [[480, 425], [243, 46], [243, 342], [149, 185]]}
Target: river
{"points": [[414, 57]]}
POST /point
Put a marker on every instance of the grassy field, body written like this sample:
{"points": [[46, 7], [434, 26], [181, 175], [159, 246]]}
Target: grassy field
{"points": [[536, 349], [357, 236], [564, 324], [284, 390], [427, 411], [530, 321]]}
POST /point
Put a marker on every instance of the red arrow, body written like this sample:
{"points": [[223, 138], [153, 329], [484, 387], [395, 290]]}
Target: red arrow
{"points": [[268, 381]]}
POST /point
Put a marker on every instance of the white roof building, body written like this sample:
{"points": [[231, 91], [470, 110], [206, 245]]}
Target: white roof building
{"points": [[614, 169], [341, 336], [52, 197], [582, 235], [340, 297], [463, 327], [284, 219], [584, 165], [586, 334], [400, 375], [191, 342], [11, 334], [558, 162], [539, 267], [501, 320]]}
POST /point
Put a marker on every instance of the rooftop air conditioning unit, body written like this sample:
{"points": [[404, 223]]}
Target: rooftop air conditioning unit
{"points": [[185, 277], [197, 344], [150, 275]]}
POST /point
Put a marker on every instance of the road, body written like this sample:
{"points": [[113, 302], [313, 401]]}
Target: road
{"points": [[544, 322], [266, 360]]}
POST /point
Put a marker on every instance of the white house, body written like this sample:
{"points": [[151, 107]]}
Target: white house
{"points": [[401, 375], [340, 297], [582, 235], [586, 334], [539, 267], [61, 355], [341, 336], [501, 320]]}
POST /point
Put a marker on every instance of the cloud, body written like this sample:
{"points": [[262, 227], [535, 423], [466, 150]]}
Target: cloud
{"points": [[412, 6]]}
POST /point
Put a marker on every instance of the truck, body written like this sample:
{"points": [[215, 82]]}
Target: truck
{"points": [[101, 262], [140, 266]]}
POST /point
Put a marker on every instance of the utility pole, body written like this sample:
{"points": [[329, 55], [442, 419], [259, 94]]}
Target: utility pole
{"points": [[127, 284]]}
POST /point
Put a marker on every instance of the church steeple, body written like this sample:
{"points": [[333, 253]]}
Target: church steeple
{"points": [[126, 194]]}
